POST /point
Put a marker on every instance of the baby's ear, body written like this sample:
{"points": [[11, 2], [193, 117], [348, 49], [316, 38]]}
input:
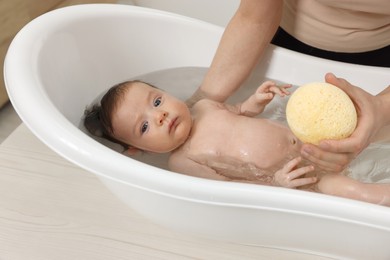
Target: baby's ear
{"points": [[132, 151]]}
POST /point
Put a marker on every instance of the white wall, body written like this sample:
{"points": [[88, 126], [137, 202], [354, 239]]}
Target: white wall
{"points": [[214, 11]]}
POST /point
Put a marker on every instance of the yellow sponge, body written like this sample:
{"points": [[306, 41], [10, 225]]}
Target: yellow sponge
{"points": [[319, 111]]}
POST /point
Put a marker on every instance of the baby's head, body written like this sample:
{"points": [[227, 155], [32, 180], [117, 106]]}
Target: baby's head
{"points": [[137, 115]]}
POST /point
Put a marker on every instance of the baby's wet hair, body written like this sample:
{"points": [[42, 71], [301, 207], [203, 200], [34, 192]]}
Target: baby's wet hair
{"points": [[98, 117]]}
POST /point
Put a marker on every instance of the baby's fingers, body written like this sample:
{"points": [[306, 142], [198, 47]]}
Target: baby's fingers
{"points": [[288, 167], [265, 86], [300, 172], [302, 182], [293, 174], [284, 88], [281, 91]]}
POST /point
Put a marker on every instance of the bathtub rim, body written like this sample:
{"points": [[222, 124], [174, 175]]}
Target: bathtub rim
{"points": [[232, 194]]}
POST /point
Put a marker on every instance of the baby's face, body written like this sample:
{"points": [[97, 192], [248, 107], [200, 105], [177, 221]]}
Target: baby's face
{"points": [[151, 120]]}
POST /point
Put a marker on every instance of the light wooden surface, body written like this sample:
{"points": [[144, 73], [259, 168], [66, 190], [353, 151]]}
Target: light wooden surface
{"points": [[14, 14], [52, 209]]}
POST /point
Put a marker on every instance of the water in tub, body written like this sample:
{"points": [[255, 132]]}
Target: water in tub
{"points": [[371, 166]]}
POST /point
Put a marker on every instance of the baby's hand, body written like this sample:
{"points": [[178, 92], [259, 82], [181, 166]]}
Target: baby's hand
{"points": [[264, 94], [268, 89], [290, 176]]}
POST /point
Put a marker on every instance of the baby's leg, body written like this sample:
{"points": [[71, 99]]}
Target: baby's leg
{"points": [[340, 185]]}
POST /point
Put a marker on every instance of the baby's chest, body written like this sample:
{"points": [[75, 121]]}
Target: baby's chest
{"points": [[216, 134], [203, 142]]}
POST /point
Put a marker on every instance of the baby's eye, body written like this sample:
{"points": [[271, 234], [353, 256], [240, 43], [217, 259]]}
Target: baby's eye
{"points": [[157, 102], [144, 127]]}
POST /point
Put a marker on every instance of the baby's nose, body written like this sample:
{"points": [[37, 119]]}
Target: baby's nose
{"points": [[161, 115]]}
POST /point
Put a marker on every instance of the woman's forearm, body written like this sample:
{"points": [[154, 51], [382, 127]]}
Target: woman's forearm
{"points": [[242, 44]]}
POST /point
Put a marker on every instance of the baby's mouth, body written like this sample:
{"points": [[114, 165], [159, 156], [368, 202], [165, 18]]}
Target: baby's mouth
{"points": [[172, 124]]}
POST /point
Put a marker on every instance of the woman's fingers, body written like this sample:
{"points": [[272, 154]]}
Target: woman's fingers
{"points": [[328, 161]]}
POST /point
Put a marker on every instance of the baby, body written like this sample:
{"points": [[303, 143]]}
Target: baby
{"points": [[217, 140]]}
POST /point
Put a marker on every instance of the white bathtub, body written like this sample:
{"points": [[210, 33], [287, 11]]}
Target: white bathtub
{"points": [[61, 61]]}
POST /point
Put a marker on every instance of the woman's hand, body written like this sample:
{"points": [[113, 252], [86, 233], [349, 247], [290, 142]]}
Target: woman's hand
{"points": [[335, 155]]}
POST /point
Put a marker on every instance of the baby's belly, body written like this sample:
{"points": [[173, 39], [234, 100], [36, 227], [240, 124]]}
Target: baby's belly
{"points": [[245, 142]]}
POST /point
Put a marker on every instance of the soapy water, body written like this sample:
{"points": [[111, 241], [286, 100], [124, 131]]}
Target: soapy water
{"points": [[371, 166]]}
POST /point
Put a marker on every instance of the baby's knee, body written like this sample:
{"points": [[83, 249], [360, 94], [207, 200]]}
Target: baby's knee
{"points": [[339, 185]]}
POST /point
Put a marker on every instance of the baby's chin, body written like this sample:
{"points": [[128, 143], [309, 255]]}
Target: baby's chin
{"points": [[183, 133], [173, 146]]}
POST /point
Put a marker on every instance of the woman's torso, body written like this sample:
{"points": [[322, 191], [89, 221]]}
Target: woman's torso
{"points": [[339, 26]]}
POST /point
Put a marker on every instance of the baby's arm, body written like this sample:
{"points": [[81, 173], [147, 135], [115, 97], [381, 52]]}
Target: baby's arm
{"points": [[219, 169], [264, 94], [179, 162], [291, 177]]}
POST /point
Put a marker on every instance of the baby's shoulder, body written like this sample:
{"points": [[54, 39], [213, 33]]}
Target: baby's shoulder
{"points": [[207, 104]]}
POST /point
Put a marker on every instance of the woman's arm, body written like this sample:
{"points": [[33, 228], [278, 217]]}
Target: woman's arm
{"points": [[245, 38]]}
